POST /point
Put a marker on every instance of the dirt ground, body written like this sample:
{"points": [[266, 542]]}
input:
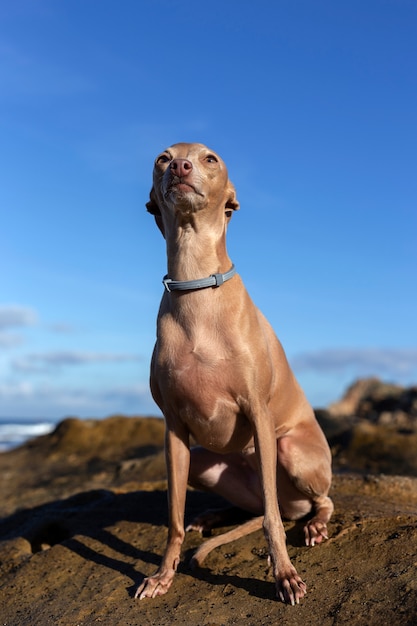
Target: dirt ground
{"points": [[83, 522]]}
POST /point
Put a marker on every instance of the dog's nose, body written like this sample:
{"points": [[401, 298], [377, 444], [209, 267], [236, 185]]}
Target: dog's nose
{"points": [[181, 167]]}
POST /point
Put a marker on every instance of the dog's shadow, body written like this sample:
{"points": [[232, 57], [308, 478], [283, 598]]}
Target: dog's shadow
{"points": [[91, 515]]}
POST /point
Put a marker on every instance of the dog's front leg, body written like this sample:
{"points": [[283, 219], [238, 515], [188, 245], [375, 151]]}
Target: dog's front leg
{"points": [[289, 585], [177, 453]]}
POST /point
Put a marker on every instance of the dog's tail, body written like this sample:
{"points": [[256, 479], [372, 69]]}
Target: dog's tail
{"points": [[236, 533]]}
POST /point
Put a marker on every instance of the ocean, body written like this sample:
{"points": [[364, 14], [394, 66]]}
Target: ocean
{"points": [[14, 432]]}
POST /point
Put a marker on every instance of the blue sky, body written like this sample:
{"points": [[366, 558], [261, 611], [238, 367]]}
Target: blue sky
{"points": [[312, 104]]}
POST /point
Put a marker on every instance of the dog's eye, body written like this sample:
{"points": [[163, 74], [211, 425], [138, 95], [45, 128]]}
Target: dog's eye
{"points": [[210, 158], [163, 158]]}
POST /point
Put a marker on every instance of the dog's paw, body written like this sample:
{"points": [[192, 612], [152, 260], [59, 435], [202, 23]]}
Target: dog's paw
{"points": [[291, 588], [155, 585], [314, 532], [208, 520]]}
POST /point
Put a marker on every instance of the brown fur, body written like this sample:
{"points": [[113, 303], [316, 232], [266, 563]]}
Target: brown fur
{"points": [[219, 373]]}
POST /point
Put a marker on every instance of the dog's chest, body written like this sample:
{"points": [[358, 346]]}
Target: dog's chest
{"points": [[199, 374], [199, 382], [205, 402]]}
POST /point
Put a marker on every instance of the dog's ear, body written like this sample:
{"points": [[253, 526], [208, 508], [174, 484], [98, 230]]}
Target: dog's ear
{"points": [[231, 200], [152, 205], [232, 203]]}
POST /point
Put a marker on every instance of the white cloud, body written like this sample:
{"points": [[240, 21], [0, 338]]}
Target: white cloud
{"points": [[10, 340], [25, 399], [13, 315], [61, 328], [394, 362], [33, 363], [15, 390]]}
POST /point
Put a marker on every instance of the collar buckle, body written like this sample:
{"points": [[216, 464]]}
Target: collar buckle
{"points": [[214, 280]]}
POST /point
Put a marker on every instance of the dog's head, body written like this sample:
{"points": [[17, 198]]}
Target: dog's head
{"points": [[187, 178]]}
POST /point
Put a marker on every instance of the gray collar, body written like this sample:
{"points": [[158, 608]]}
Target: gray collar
{"points": [[215, 280]]}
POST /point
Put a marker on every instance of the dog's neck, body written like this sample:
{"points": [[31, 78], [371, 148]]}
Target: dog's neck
{"points": [[194, 251]]}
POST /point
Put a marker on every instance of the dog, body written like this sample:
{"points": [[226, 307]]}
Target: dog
{"points": [[220, 376]]}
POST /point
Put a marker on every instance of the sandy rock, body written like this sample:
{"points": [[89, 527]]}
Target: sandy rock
{"points": [[84, 518], [79, 560], [380, 403], [373, 428], [349, 403]]}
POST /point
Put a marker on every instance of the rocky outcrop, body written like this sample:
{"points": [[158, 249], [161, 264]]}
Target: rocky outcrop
{"points": [[379, 403], [373, 428], [84, 519]]}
